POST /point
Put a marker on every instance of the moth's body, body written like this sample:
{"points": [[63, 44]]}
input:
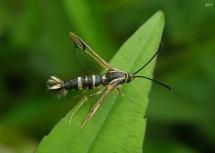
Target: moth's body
{"points": [[109, 80], [91, 81]]}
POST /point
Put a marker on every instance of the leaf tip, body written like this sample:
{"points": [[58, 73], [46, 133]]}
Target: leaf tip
{"points": [[161, 14]]}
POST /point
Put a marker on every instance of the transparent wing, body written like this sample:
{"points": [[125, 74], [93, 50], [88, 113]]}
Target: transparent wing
{"points": [[89, 65], [83, 47]]}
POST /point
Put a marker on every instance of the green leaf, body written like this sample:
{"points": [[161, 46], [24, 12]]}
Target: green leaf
{"points": [[119, 125]]}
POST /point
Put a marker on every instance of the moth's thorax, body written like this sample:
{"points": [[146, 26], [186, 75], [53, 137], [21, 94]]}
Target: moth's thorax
{"points": [[117, 76]]}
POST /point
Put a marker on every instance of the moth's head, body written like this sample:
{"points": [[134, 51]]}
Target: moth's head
{"points": [[129, 77]]}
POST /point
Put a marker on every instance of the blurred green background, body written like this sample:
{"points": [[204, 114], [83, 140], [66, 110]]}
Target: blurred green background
{"points": [[34, 43]]}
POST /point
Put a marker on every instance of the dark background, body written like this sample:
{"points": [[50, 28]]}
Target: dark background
{"points": [[34, 43]]}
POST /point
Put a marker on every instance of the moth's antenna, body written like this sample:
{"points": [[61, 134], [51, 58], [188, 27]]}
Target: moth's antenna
{"points": [[149, 60], [155, 81], [146, 63]]}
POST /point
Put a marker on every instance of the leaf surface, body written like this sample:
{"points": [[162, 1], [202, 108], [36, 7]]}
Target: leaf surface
{"points": [[119, 125]]}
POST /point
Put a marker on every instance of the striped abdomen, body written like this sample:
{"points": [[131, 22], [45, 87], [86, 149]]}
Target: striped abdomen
{"points": [[87, 82]]}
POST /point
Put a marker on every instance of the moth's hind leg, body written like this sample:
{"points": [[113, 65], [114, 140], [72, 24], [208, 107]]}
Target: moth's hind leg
{"points": [[83, 100], [92, 111]]}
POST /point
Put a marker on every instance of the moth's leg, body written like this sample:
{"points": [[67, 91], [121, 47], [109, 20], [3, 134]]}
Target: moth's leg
{"points": [[120, 91], [79, 43], [83, 100], [107, 90]]}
